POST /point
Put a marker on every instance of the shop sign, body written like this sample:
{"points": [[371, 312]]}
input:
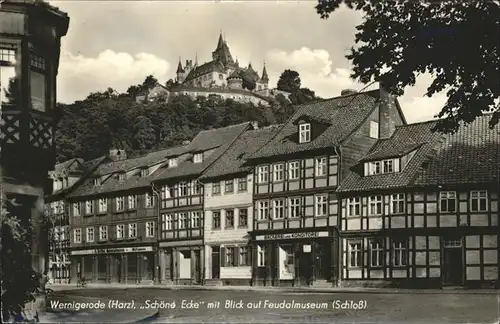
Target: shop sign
{"points": [[291, 236], [114, 250]]}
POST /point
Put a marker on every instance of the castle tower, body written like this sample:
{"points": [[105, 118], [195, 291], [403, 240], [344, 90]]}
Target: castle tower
{"points": [[222, 53], [180, 72], [265, 78]]}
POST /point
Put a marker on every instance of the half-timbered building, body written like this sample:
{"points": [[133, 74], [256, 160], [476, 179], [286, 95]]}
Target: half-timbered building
{"points": [[421, 209], [181, 250], [113, 220], [228, 211], [295, 237]]}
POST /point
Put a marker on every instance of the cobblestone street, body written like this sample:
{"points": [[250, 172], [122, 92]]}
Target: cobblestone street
{"points": [[444, 307]]}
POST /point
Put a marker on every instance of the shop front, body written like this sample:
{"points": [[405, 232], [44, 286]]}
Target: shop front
{"points": [[181, 262], [299, 258], [114, 265]]}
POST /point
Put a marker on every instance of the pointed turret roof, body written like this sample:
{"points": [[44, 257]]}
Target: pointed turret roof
{"points": [[265, 77], [222, 53], [179, 67], [220, 44]]}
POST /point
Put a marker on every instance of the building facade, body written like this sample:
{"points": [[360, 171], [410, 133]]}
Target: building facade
{"points": [[295, 235], [421, 209], [228, 209], [181, 246]]}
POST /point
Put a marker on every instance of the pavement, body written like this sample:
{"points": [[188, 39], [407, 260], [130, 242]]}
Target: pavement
{"points": [[279, 289]]}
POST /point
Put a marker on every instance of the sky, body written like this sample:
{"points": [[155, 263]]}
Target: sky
{"points": [[118, 43]]}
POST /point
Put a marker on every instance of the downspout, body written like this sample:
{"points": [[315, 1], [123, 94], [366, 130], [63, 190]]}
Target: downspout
{"points": [[156, 193], [338, 152], [203, 231]]}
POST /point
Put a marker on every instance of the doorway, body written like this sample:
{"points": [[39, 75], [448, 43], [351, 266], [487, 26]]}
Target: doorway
{"points": [[215, 262], [453, 263]]}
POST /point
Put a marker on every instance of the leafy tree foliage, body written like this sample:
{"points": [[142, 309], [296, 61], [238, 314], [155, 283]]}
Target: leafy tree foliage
{"points": [[289, 81], [455, 41]]}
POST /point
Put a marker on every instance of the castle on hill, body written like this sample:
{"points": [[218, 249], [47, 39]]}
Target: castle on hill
{"points": [[222, 76]]}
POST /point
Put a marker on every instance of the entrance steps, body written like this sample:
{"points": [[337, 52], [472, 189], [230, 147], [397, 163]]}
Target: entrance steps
{"points": [[321, 284], [213, 282]]}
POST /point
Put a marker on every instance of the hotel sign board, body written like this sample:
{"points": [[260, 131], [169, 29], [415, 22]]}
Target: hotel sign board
{"points": [[291, 236], [114, 250]]}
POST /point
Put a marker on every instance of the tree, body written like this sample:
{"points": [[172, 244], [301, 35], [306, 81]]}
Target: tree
{"points": [[289, 81], [144, 133], [149, 82], [455, 41]]}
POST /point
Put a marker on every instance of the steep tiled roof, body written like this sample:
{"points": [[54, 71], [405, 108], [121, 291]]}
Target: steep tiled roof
{"points": [[219, 140], [63, 166], [343, 114], [471, 155], [234, 159], [112, 183], [203, 69], [417, 135]]}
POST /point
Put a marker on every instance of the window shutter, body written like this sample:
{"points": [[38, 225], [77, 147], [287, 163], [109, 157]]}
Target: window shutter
{"points": [[367, 169], [250, 255], [236, 256], [222, 256], [397, 165]]}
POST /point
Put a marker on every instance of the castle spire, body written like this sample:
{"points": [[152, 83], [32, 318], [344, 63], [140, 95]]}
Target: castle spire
{"points": [[265, 77], [220, 44], [179, 66], [196, 59]]}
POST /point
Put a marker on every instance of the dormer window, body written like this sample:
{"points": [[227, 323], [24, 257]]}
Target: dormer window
{"points": [[198, 158], [373, 129], [121, 176], [144, 173], [381, 167], [304, 133], [172, 163], [97, 182]]}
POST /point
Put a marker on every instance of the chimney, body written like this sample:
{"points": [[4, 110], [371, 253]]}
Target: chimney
{"points": [[255, 124], [117, 154], [388, 113], [346, 92]]}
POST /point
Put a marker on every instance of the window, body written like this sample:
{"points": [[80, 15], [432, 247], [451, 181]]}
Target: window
{"points": [[376, 254], [399, 253], [76, 209], [384, 166], [388, 166], [195, 219], [242, 184], [398, 203], [278, 172], [198, 158], [231, 256], [261, 256], [182, 189], [479, 200], [172, 163], [103, 205], [89, 207], [263, 174], [354, 206], [448, 202], [375, 167], [320, 167], [229, 218], [304, 133], [355, 260], [263, 210], [120, 231], [216, 188], [229, 186], [374, 205], [278, 209], [77, 235], [144, 173], [38, 90], [120, 203], [195, 187], [132, 200], [97, 182], [167, 222], [293, 170], [149, 200], [244, 256], [121, 176], [321, 205], [165, 192], [7, 76], [216, 219], [294, 207], [90, 234], [242, 217], [183, 221], [150, 229], [132, 230], [103, 233], [373, 129]]}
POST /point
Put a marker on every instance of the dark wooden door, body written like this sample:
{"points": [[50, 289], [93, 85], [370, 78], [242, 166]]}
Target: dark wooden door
{"points": [[453, 266], [197, 266], [215, 262]]}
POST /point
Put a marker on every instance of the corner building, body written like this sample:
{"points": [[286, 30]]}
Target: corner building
{"points": [[181, 245], [421, 209], [295, 234]]}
